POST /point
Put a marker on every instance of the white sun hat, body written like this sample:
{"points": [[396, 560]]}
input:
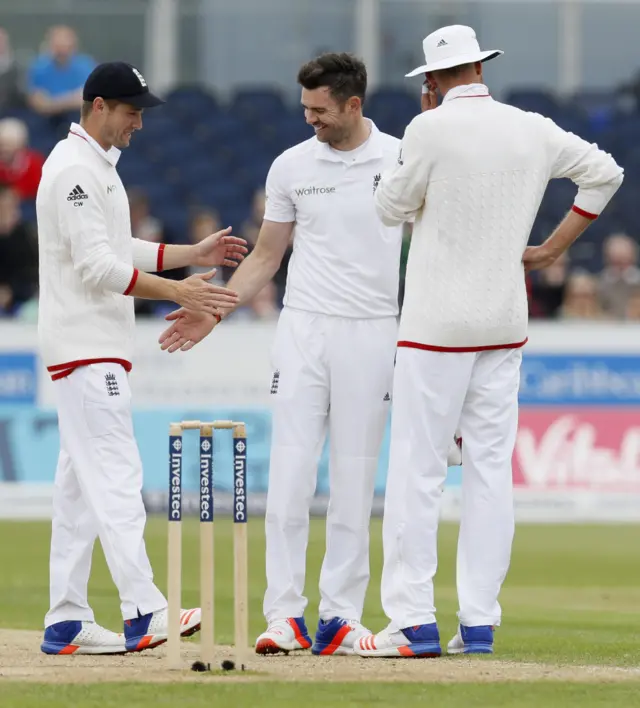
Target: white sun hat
{"points": [[452, 46]]}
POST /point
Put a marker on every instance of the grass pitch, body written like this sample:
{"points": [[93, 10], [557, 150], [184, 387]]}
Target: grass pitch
{"points": [[570, 634]]}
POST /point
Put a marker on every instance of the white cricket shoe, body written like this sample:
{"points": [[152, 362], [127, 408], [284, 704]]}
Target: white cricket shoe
{"points": [[472, 640], [77, 637], [422, 641], [151, 630], [283, 636], [456, 645], [338, 637]]}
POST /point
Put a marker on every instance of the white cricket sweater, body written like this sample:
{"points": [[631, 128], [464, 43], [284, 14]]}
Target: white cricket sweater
{"points": [[473, 173], [88, 260]]}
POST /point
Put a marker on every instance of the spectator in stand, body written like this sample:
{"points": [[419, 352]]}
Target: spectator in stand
{"points": [[18, 254], [633, 305], [620, 276], [581, 300], [203, 223], [10, 93], [143, 225], [547, 288], [57, 76], [20, 166]]}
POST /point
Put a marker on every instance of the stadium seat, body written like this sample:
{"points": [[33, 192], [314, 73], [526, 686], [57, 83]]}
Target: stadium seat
{"points": [[598, 106], [258, 104], [536, 100], [191, 104]]}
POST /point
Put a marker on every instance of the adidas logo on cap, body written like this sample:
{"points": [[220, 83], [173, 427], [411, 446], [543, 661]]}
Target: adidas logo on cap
{"points": [[441, 43]]}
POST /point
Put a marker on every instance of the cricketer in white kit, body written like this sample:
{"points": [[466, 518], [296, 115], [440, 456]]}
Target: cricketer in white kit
{"points": [[89, 265], [333, 356], [473, 172]]}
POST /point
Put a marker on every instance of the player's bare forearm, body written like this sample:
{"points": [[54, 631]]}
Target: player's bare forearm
{"points": [[220, 248], [262, 263], [153, 287], [252, 276], [194, 292], [178, 256], [569, 229]]}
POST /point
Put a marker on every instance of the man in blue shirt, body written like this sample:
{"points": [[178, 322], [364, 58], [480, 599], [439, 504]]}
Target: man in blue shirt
{"points": [[56, 77]]}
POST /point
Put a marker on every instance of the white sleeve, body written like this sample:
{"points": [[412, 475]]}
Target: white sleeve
{"points": [[279, 206], [402, 192], [147, 256], [594, 171], [81, 214]]}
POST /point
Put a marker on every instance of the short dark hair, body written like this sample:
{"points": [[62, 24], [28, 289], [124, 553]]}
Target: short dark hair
{"points": [[87, 106], [344, 74], [453, 72]]}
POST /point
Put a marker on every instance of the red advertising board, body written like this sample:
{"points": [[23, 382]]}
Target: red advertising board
{"points": [[578, 448]]}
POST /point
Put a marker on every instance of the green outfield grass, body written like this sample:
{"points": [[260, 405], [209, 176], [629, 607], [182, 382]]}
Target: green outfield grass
{"points": [[520, 695], [572, 598]]}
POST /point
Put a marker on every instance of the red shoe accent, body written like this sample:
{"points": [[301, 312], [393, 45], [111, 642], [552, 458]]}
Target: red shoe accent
{"points": [[336, 641], [69, 649], [405, 651], [301, 639], [144, 643], [187, 616], [268, 646], [368, 642]]}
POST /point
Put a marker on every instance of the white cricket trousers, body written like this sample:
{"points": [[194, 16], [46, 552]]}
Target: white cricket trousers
{"points": [[98, 492], [331, 374], [432, 392]]}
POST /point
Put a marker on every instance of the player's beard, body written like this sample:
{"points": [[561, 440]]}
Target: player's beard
{"points": [[334, 134], [123, 141]]}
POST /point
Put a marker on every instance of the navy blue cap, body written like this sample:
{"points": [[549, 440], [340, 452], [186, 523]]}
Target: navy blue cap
{"points": [[119, 81]]}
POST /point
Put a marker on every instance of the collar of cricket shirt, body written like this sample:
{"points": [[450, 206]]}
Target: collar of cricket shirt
{"points": [[111, 156], [467, 91], [371, 149]]}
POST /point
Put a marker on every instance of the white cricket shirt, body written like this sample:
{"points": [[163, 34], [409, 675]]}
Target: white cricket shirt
{"points": [[345, 261], [473, 173], [88, 260]]}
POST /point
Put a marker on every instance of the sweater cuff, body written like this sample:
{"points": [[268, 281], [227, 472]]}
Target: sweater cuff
{"points": [[593, 200], [582, 212], [132, 282], [160, 259], [146, 255]]}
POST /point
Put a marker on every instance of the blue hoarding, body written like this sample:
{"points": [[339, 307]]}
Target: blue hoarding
{"points": [[18, 378]]}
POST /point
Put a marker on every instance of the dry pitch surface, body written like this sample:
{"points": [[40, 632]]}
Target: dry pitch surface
{"points": [[21, 659]]}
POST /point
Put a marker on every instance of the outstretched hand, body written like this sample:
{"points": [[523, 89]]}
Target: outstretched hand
{"points": [[220, 249], [187, 329], [197, 293]]}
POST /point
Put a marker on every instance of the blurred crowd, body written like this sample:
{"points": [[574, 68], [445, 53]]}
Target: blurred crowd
{"points": [[52, 88]]}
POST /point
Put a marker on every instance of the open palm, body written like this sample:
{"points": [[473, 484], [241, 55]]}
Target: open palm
{"points": [[186, 330], [221, 249]]}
